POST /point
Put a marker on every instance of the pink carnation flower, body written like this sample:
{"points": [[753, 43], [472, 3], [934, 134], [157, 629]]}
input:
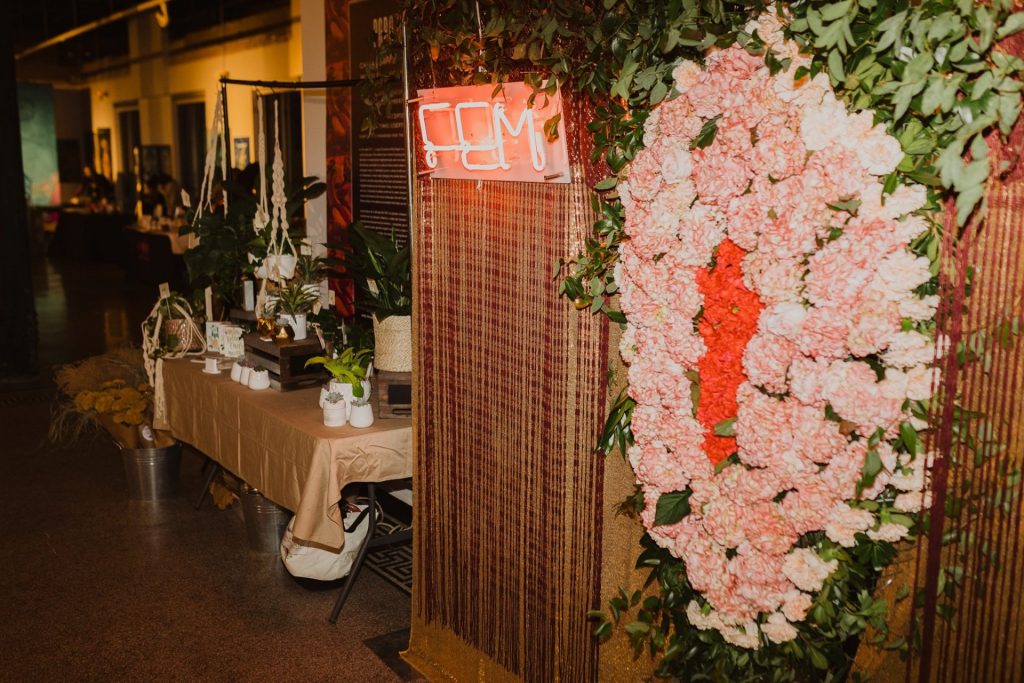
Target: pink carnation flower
{"points": [[806, 570]]}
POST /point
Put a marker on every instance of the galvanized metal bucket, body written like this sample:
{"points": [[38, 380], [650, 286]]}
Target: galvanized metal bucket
{"points": [[265, 522], [152, 473]]}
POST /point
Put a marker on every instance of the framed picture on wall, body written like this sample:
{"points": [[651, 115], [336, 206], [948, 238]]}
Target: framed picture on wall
{"points": [[104, 161]]}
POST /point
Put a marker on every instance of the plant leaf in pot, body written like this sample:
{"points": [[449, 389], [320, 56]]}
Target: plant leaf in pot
{"points": [[349, 368], [381, 271]]}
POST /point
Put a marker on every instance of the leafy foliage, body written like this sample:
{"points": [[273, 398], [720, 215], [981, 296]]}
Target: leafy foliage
{"points": [[381, 270], [349, 367], [932, 77]]}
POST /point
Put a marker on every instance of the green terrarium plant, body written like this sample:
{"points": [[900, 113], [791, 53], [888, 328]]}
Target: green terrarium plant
{"points": [[348, 368]]}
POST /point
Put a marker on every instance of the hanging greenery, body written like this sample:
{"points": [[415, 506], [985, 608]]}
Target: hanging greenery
{"points": [[932, 76]]}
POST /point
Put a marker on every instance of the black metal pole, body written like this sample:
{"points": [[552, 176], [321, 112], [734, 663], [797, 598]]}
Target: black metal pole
{"points": [[348, 83]]}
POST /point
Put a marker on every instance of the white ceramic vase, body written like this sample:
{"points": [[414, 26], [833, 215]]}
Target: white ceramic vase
{"points": [[259, 379], [334, 414], [244, 375], [361, 416], [298, 324], [236, 372]]}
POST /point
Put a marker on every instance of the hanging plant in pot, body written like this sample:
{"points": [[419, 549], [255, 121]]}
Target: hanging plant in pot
{"points": [[348, 374], [293, 303], [382, 273]]}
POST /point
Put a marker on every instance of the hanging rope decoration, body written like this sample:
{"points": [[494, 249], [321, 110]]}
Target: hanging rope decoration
{"points": [[215, 140]]}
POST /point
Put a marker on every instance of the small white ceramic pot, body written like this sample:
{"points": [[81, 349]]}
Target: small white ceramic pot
{"points": [[361, 416], [334, 386], [244, 374], [334, 414], [259, 379], [236, 372], [345, 389]]}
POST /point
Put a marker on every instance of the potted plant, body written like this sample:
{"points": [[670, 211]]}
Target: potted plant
{"points": [[259, 378], [310, 271], [382, 273], [245, 372], [348, 373], [335, 409], [294, 301], [111, 392], [361, 413], [176, 333]]}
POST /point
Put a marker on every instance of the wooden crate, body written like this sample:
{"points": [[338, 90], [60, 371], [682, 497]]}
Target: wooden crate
{"points": [[392, 394], [286, 362]]}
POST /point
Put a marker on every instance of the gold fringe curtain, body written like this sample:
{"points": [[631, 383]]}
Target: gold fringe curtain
{"points": [[982, 641], [510, 396], [982, 561]]}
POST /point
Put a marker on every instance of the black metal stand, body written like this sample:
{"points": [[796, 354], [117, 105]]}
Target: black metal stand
{"points": [[206, 484], [369, 544]]}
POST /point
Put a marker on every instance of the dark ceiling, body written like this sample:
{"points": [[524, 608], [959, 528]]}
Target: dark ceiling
{"points": [[38, 20]]}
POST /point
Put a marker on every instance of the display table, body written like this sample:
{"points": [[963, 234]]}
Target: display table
{"points": [[277, 443], [89, 236]]}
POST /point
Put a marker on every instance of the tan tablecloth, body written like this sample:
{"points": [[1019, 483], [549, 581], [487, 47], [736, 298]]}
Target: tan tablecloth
{"points": [[277, 443]]}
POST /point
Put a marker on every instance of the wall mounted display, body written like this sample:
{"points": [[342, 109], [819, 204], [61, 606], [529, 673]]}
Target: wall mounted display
{"points": [[380, 172], [39, 144]]}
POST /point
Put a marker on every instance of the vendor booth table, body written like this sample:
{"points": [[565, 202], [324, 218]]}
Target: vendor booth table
{"points": [[277, 443], [90, 236]]}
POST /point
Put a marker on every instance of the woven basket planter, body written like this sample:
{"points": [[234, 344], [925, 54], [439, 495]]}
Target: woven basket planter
{"points": [[179, 335], [393, 343]]}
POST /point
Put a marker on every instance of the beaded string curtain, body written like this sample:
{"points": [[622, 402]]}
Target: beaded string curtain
{"points": [[981, 564], [510, 395], [984, 640]]}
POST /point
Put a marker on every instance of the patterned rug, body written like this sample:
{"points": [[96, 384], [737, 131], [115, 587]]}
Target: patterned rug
{"points": [[393, 563]]}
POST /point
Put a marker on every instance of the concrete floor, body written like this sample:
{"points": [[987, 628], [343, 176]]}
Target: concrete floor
{"points": [[96, 587]]}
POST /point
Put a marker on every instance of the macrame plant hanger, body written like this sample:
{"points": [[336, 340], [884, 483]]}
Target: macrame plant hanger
{"points": [[215, 140]]}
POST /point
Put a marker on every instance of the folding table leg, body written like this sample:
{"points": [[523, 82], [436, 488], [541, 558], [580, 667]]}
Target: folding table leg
{"points": [[206, 484], [358, 564]]}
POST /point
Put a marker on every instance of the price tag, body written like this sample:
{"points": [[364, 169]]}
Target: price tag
{"points": [[208, 295], [330, 297], [165, 290]]}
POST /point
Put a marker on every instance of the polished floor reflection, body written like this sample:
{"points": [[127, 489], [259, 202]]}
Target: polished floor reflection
{"points": [[96, 587]]}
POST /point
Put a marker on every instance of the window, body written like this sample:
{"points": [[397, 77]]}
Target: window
{"points": [[191, 126], [290, 112], [129, 138]]}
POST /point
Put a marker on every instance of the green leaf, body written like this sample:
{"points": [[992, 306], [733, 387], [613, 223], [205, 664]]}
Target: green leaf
{"points": [[606, 184], [707, 134], [909, 437], [1013, 24], [835, 66], [672, 507], [835, 10], [726, 427]]}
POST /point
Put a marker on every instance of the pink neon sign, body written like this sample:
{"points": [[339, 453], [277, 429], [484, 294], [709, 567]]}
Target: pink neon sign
{"points": [[465, 133]]}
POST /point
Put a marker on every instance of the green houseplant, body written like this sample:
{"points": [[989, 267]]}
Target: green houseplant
{"points": [[381, 269], [294, 302], [348, 375]]}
